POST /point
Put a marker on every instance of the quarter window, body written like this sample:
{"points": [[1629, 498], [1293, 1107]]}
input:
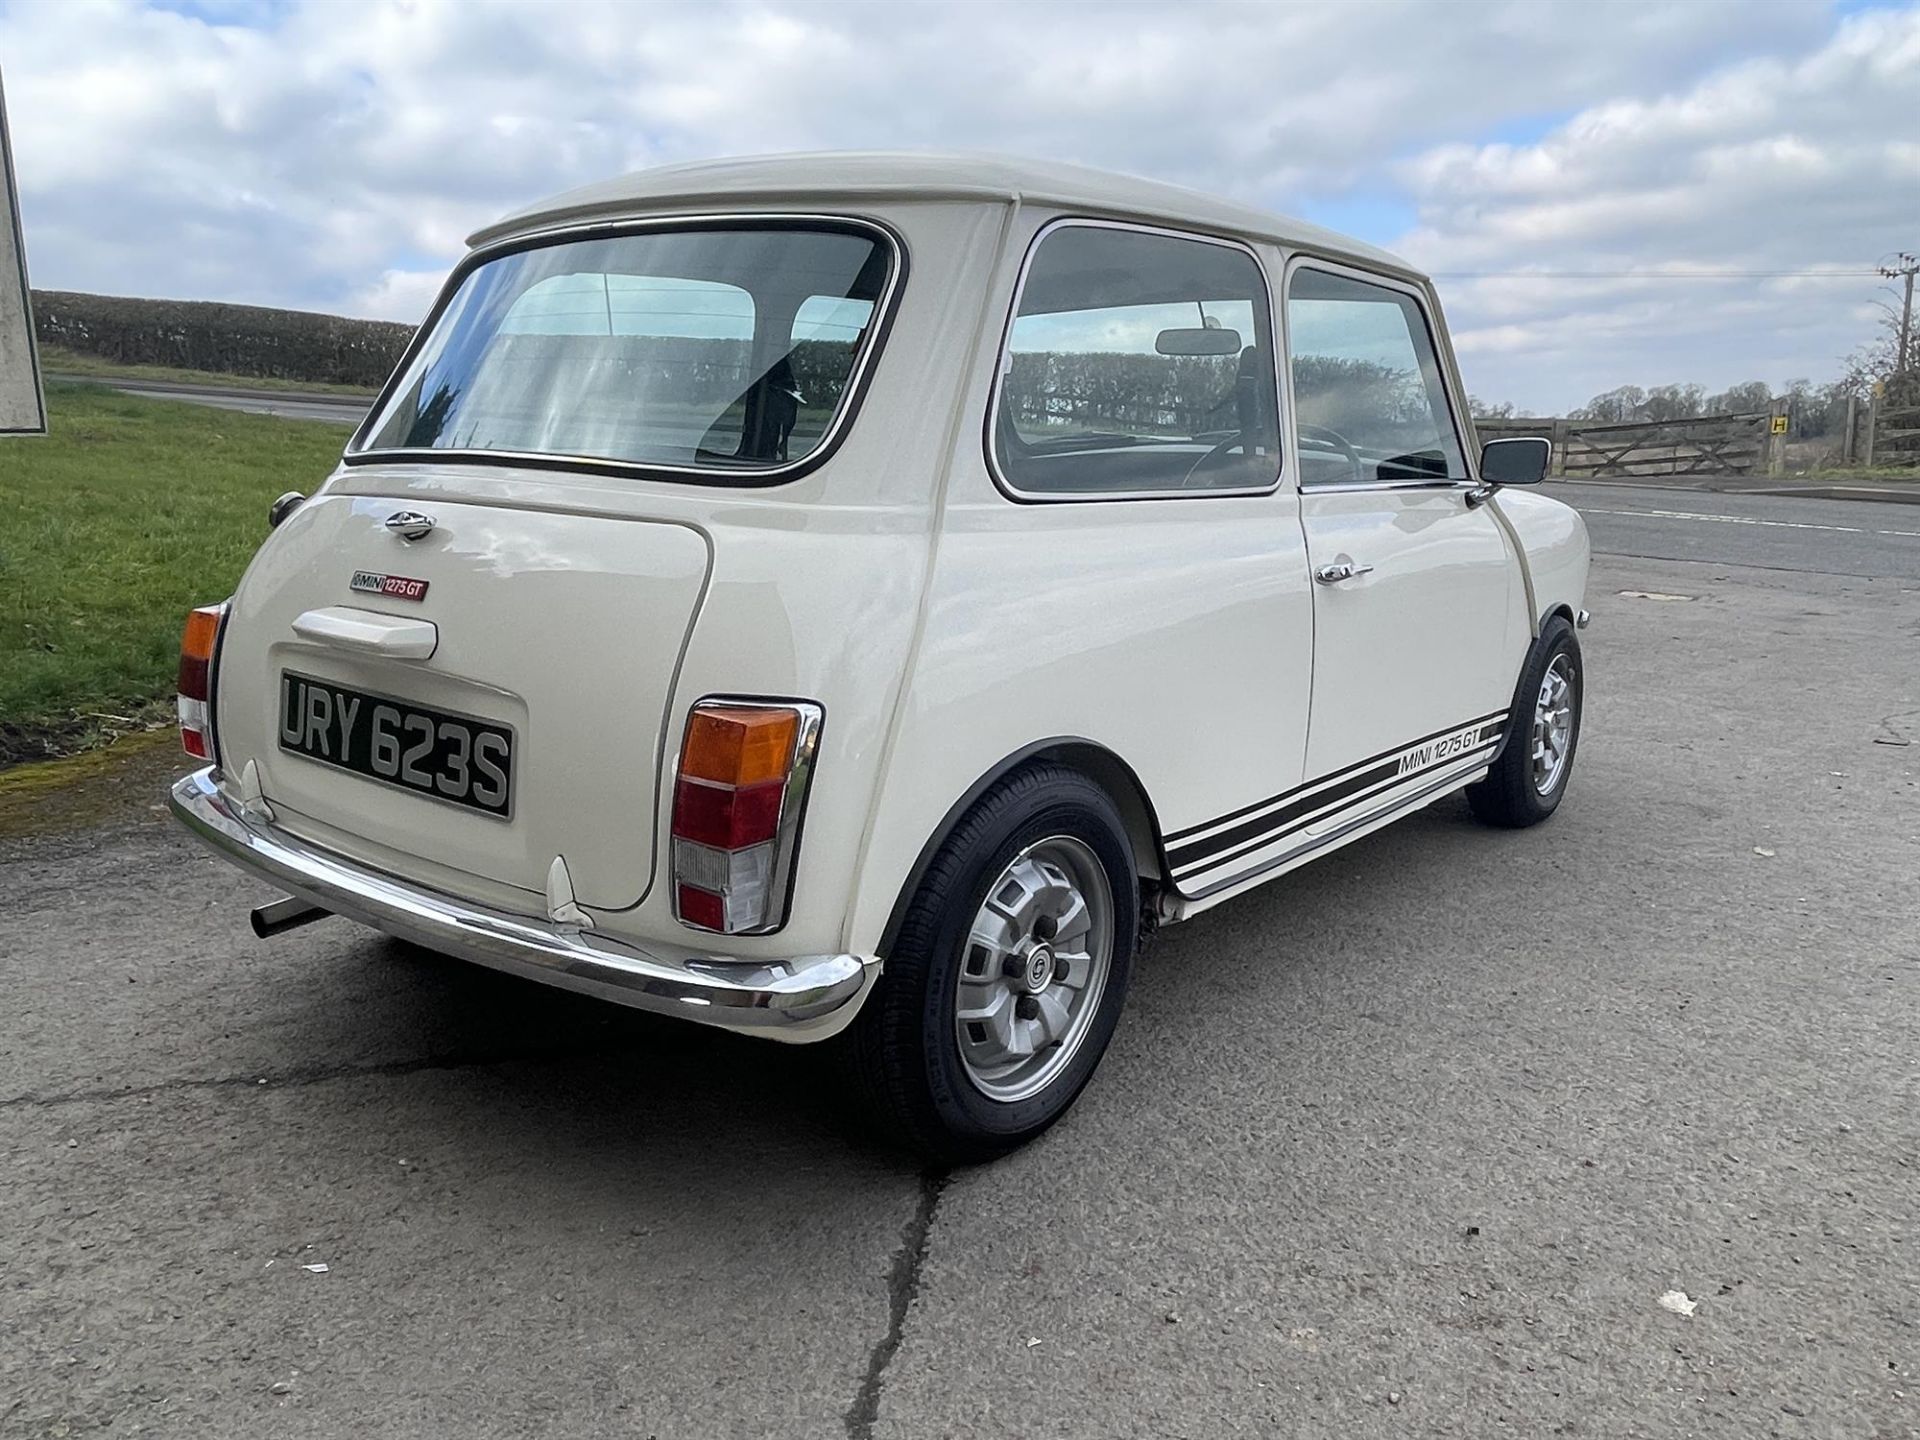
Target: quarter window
{"points": [[1137, 363], [827, 334], [1369, 403]]}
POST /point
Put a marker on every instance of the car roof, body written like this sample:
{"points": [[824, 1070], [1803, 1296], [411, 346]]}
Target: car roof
{"points": [[914, 175]]}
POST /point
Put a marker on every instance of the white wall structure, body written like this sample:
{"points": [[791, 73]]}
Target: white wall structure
{"points": [[23, 407]]}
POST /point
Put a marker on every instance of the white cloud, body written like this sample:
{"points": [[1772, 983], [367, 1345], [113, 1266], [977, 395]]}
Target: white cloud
{"points": [[396, 295], [1774, 164], [333, 155]]}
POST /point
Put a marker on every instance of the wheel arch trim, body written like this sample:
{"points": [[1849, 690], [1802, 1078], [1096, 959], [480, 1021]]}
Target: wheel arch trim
{"points": [[1092, 759], [1555, 612]]}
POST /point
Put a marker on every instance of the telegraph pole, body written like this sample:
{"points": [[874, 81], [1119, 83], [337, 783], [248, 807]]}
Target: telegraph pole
{"points": [[23, 404], [1903, 268]]}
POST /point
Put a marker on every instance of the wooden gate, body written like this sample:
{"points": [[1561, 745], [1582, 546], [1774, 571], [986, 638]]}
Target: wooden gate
{"points": [[1893, 436], [1706, 445]]}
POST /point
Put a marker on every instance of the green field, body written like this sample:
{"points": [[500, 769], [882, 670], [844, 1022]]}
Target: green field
{"points": [[112, 527]]}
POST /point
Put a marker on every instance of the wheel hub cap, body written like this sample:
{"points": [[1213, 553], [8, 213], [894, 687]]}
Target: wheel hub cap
{"points": [[1039, 969], [1553, 725], [1035, 965]]}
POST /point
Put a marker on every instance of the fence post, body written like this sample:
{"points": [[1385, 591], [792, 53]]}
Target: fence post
{"points": [[1873, 412], [1777, 436], [1847, 435], [1558, 464]]}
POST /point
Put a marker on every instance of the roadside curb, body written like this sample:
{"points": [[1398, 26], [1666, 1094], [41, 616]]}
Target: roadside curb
{"points": [[1885, 494], [1894, 494]]}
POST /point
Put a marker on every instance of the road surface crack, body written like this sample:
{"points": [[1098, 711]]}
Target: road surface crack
{"points": [[903, 1285], [313, 1075]]}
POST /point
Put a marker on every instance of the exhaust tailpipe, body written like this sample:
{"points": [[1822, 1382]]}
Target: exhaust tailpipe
{"points": [[287, 914]]}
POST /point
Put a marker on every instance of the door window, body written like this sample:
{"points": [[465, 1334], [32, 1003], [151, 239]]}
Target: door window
{"points": [[1369, 401], [1137, 362]]}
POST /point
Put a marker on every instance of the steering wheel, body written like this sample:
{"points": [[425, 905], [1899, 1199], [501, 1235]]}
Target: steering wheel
{"points": [[1334, 440], [1207, 459]]}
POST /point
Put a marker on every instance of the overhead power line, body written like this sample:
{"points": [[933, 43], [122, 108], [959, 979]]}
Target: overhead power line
{"points": [[1654, 274]]}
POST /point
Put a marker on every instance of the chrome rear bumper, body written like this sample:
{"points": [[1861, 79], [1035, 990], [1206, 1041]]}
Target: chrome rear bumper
{"points": [[807, 997]]}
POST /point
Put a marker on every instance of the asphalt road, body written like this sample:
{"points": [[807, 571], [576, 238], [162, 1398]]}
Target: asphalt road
{"points": [[288, 405], [1409, 1143], [1791, 535]]}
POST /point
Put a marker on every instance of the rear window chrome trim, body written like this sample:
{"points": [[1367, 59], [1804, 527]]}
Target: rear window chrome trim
{"points": [[1003, 354], [732, 478]]}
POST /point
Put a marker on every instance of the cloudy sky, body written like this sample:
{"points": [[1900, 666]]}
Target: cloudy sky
{"points": [[1611, 191]]}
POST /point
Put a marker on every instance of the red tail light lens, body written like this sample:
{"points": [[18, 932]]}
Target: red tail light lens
{"points": [[744, 772], [197, 645], [701, 907], [726, 818]]}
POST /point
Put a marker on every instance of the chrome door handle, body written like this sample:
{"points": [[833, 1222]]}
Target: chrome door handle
{"points": [[1340, 570]]}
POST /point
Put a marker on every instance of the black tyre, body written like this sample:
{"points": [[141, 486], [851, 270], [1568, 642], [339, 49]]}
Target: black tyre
{"points": [[1529, 777], [1008, 974]]}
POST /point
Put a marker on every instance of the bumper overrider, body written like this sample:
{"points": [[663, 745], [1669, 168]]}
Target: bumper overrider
{"points": [[806, 997]]}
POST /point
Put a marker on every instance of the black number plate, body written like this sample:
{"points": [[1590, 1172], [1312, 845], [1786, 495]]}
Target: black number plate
{"points": [[451, 757]]}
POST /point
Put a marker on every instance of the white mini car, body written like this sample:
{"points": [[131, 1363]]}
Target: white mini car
{"points": [[865, 593]]}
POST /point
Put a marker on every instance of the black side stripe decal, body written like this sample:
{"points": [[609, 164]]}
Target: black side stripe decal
{"points": [[1326, 790], [1180, 835], [1484, 746]]}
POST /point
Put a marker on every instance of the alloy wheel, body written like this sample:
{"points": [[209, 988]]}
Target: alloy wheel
{"points": [[1553, 725], [1036, 962]]}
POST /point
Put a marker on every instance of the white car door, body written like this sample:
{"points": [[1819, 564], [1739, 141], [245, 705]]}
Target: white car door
{"points": [[1414, 602]]}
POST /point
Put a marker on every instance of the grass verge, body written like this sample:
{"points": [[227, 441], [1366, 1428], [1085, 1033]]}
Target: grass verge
{"points": [[1879, 475], [127, 515], [58, 360], [126, 781]]}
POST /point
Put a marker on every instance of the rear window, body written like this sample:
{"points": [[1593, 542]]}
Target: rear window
{"points": [[733, 349]]}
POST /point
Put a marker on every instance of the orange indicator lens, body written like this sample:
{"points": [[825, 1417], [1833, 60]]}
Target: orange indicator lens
{"points": [[196, 650], [738, 744]]}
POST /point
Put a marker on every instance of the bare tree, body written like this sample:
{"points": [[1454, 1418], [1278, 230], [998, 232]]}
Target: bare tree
{"points": [[1625, 402], [1672, 402], [1747, 399], [1875, 364]]}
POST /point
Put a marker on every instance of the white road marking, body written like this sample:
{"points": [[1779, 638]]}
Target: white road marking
{"points": [[1747, 520]]}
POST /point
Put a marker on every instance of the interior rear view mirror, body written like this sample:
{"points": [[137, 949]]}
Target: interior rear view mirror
{"points": [[1521, 460], [1198, 340]]}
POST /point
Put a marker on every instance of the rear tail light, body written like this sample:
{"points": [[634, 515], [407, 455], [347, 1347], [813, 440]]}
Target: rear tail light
{"points": [[744, 771], [197, 647]]}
